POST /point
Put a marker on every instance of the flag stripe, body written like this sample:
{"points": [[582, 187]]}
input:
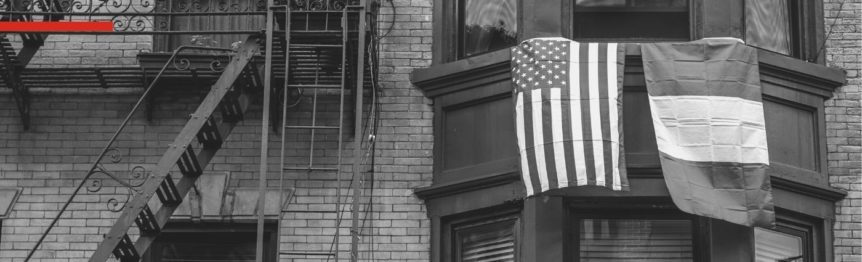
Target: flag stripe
{"points": [[605, 113], [614, 92], [557, 130], [596, 117], [574, 73], [566, 115], [530, 148], [519, 129], [538, 137], [586, 119], [547, 144], [735, 127]]}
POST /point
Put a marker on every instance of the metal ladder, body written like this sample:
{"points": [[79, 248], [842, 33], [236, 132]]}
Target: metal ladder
{"points": [[231, 94], [292, 49]]}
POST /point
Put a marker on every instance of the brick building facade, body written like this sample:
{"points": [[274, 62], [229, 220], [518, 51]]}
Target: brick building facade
{"points": [[70, 125]]}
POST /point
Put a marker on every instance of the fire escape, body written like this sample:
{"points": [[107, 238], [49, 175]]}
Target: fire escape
{"points": [[309, 49]]}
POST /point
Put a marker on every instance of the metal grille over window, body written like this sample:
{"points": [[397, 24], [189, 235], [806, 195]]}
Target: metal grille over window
{"points": [[486, 242], [635, 240], [767, 25], [488, 25]]}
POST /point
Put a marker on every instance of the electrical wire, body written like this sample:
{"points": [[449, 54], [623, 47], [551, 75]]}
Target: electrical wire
{"points": [[829, 33]]}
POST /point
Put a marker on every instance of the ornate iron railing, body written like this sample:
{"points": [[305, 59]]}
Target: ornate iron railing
{"points": [[154, 16]]}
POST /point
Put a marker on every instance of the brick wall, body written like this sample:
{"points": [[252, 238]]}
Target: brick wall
{"points": [[69, 129], [844, 124], [88, 50]]}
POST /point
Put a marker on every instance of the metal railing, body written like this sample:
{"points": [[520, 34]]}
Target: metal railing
{"points": [[160, 17]]}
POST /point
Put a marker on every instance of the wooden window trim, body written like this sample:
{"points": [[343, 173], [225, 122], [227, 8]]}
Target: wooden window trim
{"points": [[486, 216]]}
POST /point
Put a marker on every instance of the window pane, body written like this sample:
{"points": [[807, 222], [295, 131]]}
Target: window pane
{"points": [[635, 240], [631, 20], [771, 246], [487, 242], [207, 247], [488, 25], [767, 25]]}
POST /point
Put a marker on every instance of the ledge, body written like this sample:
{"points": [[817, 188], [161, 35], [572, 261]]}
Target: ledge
{"points": [[815, 191], [446, 189], [446, 78]]}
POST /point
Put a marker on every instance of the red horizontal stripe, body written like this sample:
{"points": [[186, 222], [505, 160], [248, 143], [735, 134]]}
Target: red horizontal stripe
{"points": [[56, 27]]}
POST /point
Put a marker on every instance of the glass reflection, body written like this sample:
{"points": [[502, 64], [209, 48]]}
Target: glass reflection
{"points": [[488, 25]]}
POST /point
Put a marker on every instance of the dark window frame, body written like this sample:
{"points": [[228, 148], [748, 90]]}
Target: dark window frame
{"points": [[448, 28], [176, 231], [809, 229], [807, 30], [478, 218], [569, 22], [632, 209]]}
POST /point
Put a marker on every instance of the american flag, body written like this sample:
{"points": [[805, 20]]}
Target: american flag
{"points": [[568, 99]]}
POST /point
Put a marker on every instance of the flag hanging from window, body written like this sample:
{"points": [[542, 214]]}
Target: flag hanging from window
{"points": [[568, 107], [705, 101]]}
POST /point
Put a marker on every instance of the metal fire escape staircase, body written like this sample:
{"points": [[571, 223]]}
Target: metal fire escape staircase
{"points": [[231, 95]]}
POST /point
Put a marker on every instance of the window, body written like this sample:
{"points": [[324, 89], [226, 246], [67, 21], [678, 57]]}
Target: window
{"points": [[631, 20], [774, 25], [795, 238], [487, 25], [491, 236], [635, 239], [210, 243], [632, 233]]}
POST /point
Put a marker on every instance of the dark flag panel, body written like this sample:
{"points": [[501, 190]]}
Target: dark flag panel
{"points": [[568, 114], [705, 101]]}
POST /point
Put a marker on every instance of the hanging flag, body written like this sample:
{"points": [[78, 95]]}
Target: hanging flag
{"points": [[568, 113], [706, 107]]}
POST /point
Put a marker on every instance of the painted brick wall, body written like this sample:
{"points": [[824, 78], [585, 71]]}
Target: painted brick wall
{"points": [[69, 129], [844, 124]]}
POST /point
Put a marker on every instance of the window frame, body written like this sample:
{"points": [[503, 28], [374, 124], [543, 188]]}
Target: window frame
{"points": [[176, 230], [809, 229], [472, 220], [568, 19], [807, 30], [448, 17]]}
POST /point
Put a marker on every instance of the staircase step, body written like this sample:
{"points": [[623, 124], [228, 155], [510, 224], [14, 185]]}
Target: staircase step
{"points": [[125, 250], [312, 127], [317, 45], [231, 110], [209, 135], [305, 168], [147, 223], [168, 193], [307, 253], [189, 164], [316, 86]]}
